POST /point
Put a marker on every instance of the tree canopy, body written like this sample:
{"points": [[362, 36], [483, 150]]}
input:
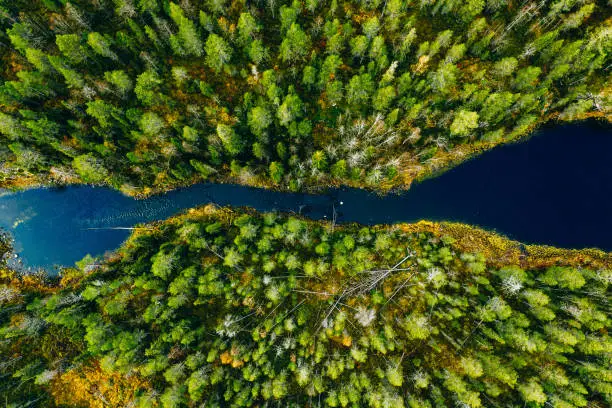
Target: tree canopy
{"points": [[235, 308], [390, 91]]}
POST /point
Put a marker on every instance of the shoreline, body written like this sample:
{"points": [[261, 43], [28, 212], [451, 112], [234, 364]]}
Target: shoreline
{"points": [[497, 249], [449, 160]]}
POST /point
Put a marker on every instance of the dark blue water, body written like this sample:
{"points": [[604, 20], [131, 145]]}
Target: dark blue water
{"points": [[554, 189]]}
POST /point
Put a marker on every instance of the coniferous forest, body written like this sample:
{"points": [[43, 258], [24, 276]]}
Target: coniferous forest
{"points": [[232, 308], [147, 95], [221, 307]]}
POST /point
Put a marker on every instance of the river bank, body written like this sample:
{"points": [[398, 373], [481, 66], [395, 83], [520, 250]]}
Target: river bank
{"points": [[408, 175], [553, 190]]}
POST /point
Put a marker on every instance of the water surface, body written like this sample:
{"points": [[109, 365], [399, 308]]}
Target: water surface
{"points": [[554, 189]]}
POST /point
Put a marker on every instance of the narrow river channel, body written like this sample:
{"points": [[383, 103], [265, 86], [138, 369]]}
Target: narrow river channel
{"points": [[554, 189]]}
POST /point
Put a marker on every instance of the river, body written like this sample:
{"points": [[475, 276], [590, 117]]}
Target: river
{"points": [[554, 189]]}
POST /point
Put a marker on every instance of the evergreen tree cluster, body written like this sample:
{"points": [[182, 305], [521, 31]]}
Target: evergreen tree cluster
{"points": [[223, 308], [145, 95]]}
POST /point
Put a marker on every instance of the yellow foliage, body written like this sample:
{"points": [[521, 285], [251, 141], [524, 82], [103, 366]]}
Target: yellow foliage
{"points": [[223, 24], [172, 117], [90, 386], [20, 182], [71, 277], [110, 145], [362, 16], [17, 319], [224, 117], [226, 358], [6, 274], [25, 283], [500, 251], [421, 66], [229, 357], [347, 340]]}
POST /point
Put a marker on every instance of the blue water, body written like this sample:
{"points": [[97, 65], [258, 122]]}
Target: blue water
{"points": [[554, 189]]}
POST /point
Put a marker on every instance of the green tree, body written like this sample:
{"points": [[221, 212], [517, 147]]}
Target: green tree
{"points": [[575, 110], [288, 16], [247, 27], [146, 88], [90, 168], [471, 366], [533, 392], [295, 44], [456, 53], [444, 78], [259, 150], [329, 68], [339, 169], [527, 78], [463, 123], [290, 109], [151, 124], [576, 19], [187, 41], [334, 92], [121, 80], [378, 49], [11, 128], [102, 111], [564, 277], [180, 75], [163, 264], [257, 51], [359, 46], [259, 118], [505, 67], [27, 157], [217, 6], [470, 9], [190, 134], [21, 36], [101, 45], [495, 107], [360, 89], [43, 130], [319, 160], [370, 27], [276, 172], [394, 374], [218, 52], [39, 59], [383, 98], [72, 78], [204, 169], [70, 46], [230, 139], [309, 77]]}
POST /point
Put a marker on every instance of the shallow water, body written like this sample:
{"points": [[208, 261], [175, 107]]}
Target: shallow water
{"points": [[554, 189]]}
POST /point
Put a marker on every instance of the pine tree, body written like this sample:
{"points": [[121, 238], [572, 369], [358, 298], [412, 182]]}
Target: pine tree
{"points": [[218, 52]]}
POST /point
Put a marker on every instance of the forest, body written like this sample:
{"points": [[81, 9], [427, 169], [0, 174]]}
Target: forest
{"points": [[233, 308], [148, 95], [220, 307]]}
